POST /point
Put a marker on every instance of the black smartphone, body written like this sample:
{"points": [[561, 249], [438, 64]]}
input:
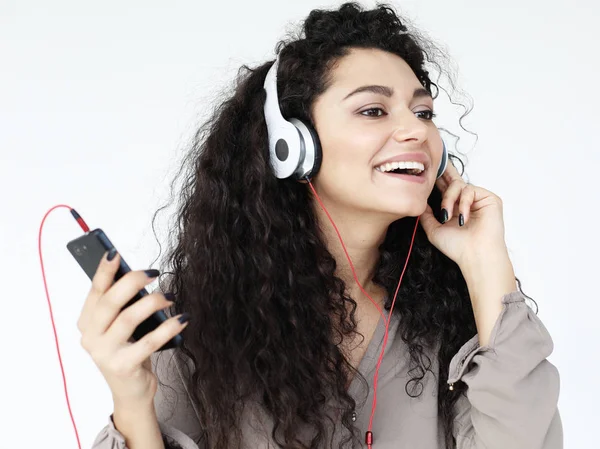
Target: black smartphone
{"points": [[88, 251]]}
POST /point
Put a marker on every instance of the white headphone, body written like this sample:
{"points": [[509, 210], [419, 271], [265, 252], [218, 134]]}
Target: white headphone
{"points": [[294, 146]]}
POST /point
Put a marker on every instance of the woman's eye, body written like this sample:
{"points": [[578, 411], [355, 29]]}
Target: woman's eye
{"points": [[429, 114], [371, 109]]}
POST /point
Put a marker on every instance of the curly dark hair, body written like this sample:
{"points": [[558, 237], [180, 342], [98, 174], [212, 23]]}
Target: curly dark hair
{"points": [[250, 265]]}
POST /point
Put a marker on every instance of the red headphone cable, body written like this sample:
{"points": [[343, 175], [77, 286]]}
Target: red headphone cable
{"points": [[85, 228], [369, 433]]}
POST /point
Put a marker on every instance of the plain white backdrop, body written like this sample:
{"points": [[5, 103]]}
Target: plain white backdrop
{"points": [[99, 100]]}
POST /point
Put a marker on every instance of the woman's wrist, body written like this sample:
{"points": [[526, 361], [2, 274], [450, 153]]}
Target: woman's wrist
{"points": [[488, 277], [139, 425]]}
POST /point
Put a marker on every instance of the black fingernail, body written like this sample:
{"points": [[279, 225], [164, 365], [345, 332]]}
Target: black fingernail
{"points": [[152, 273], [184, 318], [444, 216], [461, 220], [170, 296], [111, 254]]}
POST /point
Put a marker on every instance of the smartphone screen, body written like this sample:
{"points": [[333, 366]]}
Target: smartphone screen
{"points": [[88, 251]]}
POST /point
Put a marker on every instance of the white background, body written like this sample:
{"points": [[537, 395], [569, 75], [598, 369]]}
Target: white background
{"points": [[98, 101]]}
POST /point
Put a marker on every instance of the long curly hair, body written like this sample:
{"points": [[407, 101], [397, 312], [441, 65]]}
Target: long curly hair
{"points": [[249, 263]]}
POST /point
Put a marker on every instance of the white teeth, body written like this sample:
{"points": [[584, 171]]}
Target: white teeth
{"points": [[402, 164]]}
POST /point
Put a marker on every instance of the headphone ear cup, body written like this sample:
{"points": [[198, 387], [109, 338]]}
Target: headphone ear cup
{"points": [[443, 161], [310, 161], [317, 153]]}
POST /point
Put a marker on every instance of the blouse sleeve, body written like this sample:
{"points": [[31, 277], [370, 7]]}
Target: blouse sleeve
{"points": [[512, 389], [176, 415]]}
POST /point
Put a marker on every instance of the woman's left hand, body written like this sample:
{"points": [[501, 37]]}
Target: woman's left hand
{"points": [[483, 229]]}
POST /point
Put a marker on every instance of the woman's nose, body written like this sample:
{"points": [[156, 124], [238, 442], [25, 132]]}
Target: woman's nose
{"points": [[410, 127]]}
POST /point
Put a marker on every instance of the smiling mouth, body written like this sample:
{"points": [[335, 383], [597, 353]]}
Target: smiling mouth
{"points": [[402, 171]]}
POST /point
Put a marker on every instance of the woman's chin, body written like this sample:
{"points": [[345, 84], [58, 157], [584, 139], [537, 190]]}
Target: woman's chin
{"points": [[391, 215], [407, 209]]}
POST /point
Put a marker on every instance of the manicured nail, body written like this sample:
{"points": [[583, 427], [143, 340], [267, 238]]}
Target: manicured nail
{"points": [[444, 216], [184, 318], [152, 273], [111, 254], [170, 296], [461, 220]]}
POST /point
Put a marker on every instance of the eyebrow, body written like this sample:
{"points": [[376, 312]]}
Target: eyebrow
{"points": [[387, 91]]}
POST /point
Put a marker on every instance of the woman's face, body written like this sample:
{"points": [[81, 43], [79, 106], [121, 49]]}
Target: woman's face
{"points": [[361, 131]]}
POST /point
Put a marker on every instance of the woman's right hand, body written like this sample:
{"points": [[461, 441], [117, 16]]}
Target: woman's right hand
{"points": [[106, 332]]}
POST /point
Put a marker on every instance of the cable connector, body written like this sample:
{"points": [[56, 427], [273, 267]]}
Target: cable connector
{"points": [[79, 220], [369, 439]]}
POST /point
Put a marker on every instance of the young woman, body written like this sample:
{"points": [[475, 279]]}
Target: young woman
{"points": [[294, 339]]}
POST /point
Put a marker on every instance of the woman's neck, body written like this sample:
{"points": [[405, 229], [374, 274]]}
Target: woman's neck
{"points": [[362, 235]]}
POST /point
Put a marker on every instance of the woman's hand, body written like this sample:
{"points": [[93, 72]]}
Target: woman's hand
{"points": [[483, 227], [106, 331]]}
